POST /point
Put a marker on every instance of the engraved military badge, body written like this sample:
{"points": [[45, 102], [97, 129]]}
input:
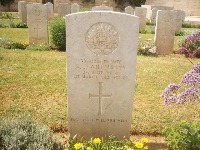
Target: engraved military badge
{"points": [[102, 38]]}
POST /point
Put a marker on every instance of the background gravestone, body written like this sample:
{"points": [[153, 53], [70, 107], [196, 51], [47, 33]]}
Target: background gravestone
{"points": [[64, 9], [141, 13], [180, 17], [165, 31], [75, 8], [50, 13], [101, 60], [22, 9], [37, 23], [56, 2], [102, 7], [129, 10]]}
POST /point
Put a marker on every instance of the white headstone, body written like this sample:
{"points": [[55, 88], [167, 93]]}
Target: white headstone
{"points": [[153, 14], [50, 12], [129, 10], [56, 2], [102, 8], [180, 17], [64, 9], [75, 8], [101, 61], [37, 23], [22, 9], [165, 31], [141, 13]]}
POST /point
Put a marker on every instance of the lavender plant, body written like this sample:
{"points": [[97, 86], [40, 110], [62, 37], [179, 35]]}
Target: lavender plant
{"points": [[186, 90], [190, 47]]}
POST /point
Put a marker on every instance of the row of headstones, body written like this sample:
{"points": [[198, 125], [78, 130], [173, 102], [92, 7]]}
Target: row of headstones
{"points": [[141, 12], [37, 15], [63, 9]]}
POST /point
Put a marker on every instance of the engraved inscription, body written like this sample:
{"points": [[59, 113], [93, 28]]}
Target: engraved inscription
{"points": [[99, 120], [102, 38], [100, 96], [36, 10], [100, 69]]}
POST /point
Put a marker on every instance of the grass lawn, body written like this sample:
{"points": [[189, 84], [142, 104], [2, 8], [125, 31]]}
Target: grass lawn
{"points": [[34, 82]]}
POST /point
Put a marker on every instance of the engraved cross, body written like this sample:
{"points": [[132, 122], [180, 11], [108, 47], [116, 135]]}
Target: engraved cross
{"points": [[37, 28], [100, 96]]}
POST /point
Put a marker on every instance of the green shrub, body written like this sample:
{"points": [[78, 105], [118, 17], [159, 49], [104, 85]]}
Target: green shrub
{"points": [[179, 33], [21, 25], [18, 45], [39, 47], [57, 32], [147, 48], [143, 31], [21, 134], [12, 24], [5, 41], [183, 135]]}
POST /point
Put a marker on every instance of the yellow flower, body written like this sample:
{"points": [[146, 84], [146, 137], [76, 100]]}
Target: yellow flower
{"points": [[145, 140], [97, 141], [146, 148], [78, 146], [129, 148], [89, 148], [138, 145]]}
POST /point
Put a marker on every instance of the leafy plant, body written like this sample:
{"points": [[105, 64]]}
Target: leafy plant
{"points": [[183, 135], [143, 31], [39, 47], [187, 88], [18, 45], [57, 32], [147, 48], [5, 41], [190, 25], [22, 133], [179, 33], [21, 25], [106, 144], [190, 47]]}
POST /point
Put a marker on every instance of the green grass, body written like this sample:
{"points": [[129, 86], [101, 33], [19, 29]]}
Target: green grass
{"points": [[34, 82]]}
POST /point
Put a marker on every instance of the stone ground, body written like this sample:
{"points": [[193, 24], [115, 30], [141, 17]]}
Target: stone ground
{"points": [[193, 19], [154, 143]]}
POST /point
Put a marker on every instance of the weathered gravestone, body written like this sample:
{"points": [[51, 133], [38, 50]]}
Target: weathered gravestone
{"points": [[37, 23], [141, 13], [64, 9], [153, 14], [22, 9], [101, 61], [75, 8], [165, 31], [180, 17], [50, 13], [102, 7], [129, 10], [56, 2]]}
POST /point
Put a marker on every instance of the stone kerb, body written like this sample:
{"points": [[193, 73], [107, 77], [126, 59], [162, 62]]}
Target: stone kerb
{"points": [[165, 31], [101, 61]]}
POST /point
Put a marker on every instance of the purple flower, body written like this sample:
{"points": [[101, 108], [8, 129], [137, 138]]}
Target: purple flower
{"points": [[190, 94]]}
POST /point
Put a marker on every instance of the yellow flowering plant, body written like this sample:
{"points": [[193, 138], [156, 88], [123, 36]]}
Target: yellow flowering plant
{"points": [[106, 144]]}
